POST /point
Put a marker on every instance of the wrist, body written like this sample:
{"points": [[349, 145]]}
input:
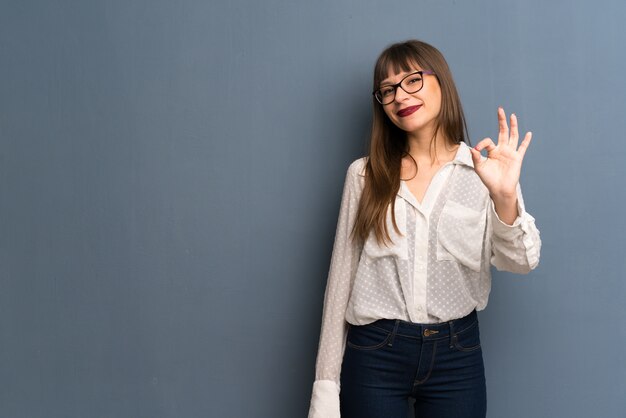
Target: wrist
{"points": [[504, 199], [503, 193], [506, 209]]}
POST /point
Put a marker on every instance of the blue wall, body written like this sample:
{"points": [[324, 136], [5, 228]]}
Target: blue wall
{"points": [[170, 177]]}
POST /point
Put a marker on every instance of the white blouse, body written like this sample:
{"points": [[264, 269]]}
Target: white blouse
{"points": [[436, 270]]}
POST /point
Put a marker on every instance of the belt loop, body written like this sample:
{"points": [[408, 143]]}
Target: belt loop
{"points": [[452, 334], [393, 333]]}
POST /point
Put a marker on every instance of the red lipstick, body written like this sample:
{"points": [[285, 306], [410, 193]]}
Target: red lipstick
{"points": [[408, 111]]}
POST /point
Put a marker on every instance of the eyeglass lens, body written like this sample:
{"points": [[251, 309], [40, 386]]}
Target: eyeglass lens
{"points": [[411, 84]]}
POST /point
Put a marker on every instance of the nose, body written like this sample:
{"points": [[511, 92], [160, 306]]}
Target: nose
{"points": [[400, 94]]}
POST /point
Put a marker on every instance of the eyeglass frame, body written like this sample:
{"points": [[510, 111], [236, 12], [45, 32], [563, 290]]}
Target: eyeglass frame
{"points": [[395, 86]]}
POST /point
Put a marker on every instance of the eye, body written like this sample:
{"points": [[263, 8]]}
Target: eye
{"points": [[413, 79], [386, 91]]}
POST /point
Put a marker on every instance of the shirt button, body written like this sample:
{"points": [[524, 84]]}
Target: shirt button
{"points": [[419, 308]]}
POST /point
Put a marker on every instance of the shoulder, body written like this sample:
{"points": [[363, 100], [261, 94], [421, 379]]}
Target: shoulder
{"points": [[356, 173], [357, 167]]}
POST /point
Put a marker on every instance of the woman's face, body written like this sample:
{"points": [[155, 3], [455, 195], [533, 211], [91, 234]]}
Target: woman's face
{"points": [[414, 113]]}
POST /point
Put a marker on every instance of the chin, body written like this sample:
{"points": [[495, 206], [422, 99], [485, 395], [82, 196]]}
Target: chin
{"points": [[416, 126], [411, 127]]}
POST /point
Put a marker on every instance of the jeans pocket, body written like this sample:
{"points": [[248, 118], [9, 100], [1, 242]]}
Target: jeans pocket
{"points": [[468, 339], [365, 337]]}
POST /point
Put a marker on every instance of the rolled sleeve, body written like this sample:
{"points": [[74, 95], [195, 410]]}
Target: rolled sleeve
{"points": [[515, 248]]}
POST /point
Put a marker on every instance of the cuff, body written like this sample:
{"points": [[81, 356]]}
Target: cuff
{"points": [[325, 400]]}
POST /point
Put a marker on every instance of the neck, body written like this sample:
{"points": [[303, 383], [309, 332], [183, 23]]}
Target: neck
{"points": [[427, 151]]}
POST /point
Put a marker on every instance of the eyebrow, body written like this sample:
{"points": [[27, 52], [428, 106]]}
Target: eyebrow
{"points": [[386, 80]]}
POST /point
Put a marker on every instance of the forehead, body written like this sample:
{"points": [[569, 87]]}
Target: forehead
{"points": [[395, 71]]}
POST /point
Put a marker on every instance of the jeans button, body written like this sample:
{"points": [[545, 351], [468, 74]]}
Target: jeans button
{"points": [[429, 332]]}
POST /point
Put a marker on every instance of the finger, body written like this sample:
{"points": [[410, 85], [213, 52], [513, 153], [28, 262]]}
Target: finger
{"points": [[514, 138], [503, 134], [487, 144], [525, 143], [476, 157]]}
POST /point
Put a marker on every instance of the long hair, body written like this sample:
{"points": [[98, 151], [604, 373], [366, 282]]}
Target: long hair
{"points": [[389, 144]]}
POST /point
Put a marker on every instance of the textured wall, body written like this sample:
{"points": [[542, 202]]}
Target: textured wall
{"points": [[170, 176]]}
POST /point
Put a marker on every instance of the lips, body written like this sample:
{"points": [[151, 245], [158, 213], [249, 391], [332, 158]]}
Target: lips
{"points": [[408, 111]]}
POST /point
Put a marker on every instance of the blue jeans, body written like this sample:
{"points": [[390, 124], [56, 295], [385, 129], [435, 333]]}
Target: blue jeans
{"points": [[439, 365]]}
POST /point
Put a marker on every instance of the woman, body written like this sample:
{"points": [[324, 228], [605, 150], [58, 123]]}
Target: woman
{"points": [[422, 219]]}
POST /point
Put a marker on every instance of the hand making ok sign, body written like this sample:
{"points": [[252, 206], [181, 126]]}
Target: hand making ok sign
{"points": [[500, 172]]}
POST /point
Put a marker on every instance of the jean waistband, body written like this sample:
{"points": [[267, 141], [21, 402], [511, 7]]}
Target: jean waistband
{"points": [[426, 331]]}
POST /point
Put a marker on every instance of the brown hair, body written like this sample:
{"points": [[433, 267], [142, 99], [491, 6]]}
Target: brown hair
{"points": [[388, 144]]}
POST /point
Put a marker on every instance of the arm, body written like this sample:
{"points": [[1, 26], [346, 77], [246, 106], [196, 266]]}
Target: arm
{"points": [[514, 237], [344, 261], [516, 247]]}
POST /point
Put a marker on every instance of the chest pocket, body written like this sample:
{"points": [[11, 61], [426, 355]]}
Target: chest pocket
{"points": [[460, 233], [399, 248]]}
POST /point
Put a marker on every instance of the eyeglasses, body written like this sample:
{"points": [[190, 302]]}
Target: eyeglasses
{"points": [[412, 83]]}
